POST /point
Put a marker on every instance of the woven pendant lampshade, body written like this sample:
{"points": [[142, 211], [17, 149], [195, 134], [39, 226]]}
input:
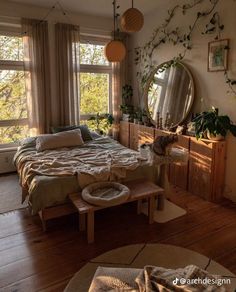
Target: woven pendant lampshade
{"points": [[132, 20], [115, 51]]}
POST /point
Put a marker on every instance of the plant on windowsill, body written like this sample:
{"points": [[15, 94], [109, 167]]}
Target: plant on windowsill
{"points": [[213, 126], [102, 123], [109, 122]]}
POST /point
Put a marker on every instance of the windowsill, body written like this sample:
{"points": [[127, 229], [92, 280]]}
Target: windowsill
{"points": [[8, 148]]}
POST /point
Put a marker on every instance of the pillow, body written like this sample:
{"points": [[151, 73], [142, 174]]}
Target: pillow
{"points": [[28, 142], [95, 135], [83, 128], [59, 140]]}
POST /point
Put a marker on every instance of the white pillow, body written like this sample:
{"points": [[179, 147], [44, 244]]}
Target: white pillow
{"points": [[59, 140]]}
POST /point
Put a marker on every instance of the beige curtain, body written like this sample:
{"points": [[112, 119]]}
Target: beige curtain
{"points": [[67, 67], [37, 68], [119, 79]]}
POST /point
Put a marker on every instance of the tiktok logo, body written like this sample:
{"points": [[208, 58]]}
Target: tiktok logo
{"points": [[176, 281]]}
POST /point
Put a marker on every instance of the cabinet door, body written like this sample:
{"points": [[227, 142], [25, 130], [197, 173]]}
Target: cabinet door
{"points": [[133, 141], [124, 133], [178, 172], [218, 175], [200, 168]]}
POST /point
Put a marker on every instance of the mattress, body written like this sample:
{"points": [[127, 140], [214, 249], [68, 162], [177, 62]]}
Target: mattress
{"points": [[46, 190]]}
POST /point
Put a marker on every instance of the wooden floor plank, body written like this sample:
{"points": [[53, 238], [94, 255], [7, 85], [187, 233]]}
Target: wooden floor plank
{"points": [[31, 260]]}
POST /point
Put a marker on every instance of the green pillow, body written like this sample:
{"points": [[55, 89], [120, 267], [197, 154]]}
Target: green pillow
{"points": [[83, 128]]}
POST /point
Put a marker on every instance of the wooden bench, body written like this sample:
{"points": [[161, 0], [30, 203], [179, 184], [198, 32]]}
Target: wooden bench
{"points": [[139, 190]]}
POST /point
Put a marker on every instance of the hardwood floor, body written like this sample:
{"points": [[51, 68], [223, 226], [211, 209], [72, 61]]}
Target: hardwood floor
{"points": [[31, 260]]}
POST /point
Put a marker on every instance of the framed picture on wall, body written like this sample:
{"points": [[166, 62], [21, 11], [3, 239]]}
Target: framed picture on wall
{"points": [[218, 55]]}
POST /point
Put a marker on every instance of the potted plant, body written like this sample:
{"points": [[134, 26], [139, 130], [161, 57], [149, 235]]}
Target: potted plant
{"points": [[212, 125], [127, 94], [109, 121], [126, 107], [102, 123], [96, 122], [139, 116], [144, 116], [127, 110], [135, 117]]}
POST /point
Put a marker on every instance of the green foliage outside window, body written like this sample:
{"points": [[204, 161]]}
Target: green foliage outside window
{"points": [[92, 54], [11, 48], [94, 93], [94, 87], [12, 90]]}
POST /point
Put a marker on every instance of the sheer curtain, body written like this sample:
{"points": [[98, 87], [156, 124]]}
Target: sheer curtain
{"points": [[37, 68], [67, 68], [119, 79]]}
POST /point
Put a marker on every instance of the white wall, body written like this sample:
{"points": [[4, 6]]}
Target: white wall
{"points": [[88, 24], [210, 86]]}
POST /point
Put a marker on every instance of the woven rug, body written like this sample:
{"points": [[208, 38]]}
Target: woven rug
{"points": [[139, 255], [10, 193]]}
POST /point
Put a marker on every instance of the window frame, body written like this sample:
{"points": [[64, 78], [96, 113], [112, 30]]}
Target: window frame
{"points": [[107, 69], [16, 66]]}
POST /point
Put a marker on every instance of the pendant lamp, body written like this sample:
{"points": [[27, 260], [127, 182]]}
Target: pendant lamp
{"points": [[115, 50], [132, 20]]}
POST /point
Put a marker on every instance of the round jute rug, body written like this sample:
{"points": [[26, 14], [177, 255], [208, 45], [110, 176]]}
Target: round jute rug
{"points": [[139, 255]]}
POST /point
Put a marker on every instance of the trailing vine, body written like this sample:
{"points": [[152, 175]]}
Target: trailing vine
{"points": [[162, 35]]}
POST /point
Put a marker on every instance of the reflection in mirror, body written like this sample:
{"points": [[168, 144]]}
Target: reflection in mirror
{"points": [[169, 95]]}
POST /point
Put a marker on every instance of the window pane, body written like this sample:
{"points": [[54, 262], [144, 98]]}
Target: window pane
{"points": [[160, 75], [13, 134], [11, 48], [12, 95], [91, 54], [94, 93]]}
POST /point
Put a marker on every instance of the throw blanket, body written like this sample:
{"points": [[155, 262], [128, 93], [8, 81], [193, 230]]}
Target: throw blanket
{"points": [[179, 280], [100, 160], [156, 279]]}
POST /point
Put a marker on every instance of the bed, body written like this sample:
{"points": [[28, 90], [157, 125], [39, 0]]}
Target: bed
{"points": [[48, 177]]}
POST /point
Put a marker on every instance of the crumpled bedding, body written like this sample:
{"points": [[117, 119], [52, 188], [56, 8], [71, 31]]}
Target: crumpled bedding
{"points": [[102, 159]]}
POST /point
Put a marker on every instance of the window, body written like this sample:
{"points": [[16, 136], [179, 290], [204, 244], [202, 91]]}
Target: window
{"points": [[95, 79], [157, 92], [13, 104]]}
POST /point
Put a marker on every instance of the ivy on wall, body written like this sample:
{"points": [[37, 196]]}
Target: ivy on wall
{"points": [[176, 36]]}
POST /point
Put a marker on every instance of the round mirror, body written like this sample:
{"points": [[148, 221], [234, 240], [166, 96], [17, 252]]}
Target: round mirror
{"points": [[169, 94]]}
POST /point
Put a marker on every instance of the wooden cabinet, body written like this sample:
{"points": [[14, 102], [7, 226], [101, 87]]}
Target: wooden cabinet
{"points": [[124, 133], [145, 134], [139, 135], [177, 172], [204, 173], [207, 169], [133, 138]]}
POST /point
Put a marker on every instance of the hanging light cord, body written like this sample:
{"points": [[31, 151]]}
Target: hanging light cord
{"points": [[114, 12]]}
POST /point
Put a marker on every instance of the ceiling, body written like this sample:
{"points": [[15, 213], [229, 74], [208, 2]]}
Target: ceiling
{"points": [[94, 7]]}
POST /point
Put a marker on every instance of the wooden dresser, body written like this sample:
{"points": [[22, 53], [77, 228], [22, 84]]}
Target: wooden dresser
{"points": [[204, 173]]}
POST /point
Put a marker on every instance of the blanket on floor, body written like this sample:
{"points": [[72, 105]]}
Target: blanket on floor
{"points": [[150, 279]]}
